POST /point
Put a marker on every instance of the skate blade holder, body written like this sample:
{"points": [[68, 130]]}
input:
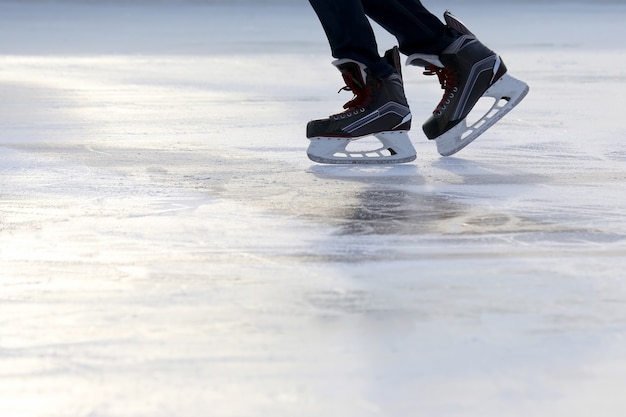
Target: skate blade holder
{"points": [[386, 148], [507, 93]]}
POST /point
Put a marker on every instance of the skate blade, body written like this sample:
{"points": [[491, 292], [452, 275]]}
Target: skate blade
{"points": [[508, 92], [394, 148]]}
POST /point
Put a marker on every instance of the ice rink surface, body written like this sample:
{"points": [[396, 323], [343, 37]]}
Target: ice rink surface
{"points": [[167, 249]]}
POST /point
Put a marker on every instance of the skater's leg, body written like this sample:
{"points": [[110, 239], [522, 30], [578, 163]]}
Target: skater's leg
{"points": [[417, 29], [379, 108], [350, 34]]}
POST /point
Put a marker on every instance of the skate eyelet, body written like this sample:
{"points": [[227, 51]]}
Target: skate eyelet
{"points": [[362, 110]]}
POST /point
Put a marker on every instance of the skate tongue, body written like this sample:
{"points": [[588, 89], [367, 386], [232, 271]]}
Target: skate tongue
{"points": [[424, 60], [354, 68], [352, 73]]}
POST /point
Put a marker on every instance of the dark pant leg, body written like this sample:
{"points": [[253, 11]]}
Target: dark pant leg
{"points": [[417, 29], [350, 34]]}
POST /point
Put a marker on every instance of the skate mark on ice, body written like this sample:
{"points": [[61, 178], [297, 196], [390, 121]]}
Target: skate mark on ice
{"points": [[449, 197]]}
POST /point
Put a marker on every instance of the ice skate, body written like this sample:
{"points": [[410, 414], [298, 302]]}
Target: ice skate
{"points": [[379, 109], [467, 71]]}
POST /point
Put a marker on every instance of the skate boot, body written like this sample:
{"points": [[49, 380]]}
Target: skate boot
{"points": [[379, 109], [467, 70]]}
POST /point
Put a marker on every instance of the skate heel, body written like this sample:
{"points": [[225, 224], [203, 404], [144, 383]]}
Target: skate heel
{"points": [[507, 93]]}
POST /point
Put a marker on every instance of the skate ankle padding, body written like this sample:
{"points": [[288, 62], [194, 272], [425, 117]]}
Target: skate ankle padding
{"points": [[453, 22], [392, 57]]}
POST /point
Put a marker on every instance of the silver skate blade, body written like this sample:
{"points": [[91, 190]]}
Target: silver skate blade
{"points": [[507, 92], [392, 148]]}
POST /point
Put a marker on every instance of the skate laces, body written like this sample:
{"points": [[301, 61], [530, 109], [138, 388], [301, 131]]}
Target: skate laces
{"points": [[363, 96], [449, 81]]}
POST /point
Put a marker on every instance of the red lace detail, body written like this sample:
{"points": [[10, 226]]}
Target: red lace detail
{"points": [[449, 81], [363, 96]]}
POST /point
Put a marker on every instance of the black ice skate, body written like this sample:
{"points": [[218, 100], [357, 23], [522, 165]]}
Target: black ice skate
{"points": [[379, 108], [467, 71]]}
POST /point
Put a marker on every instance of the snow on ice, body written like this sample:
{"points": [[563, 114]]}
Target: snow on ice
{"points": [[167, 249]]}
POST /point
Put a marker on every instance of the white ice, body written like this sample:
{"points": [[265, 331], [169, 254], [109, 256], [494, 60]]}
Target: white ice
{"points": [[167, 249]]}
